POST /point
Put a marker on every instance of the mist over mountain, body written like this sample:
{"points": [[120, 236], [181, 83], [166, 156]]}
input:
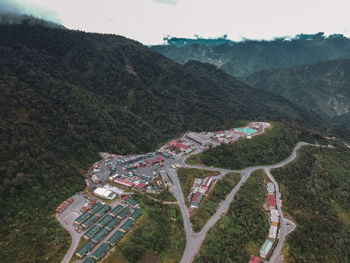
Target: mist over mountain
{"points": [[242, 58], [323, 87]]}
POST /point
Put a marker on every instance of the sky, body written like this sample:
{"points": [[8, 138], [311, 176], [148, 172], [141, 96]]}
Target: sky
{"points": [[148, 21]]}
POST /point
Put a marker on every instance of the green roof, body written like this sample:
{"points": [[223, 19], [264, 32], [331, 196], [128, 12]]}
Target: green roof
{"points": [[126, 226], [131, 201], [115, 210], [102, 210], [90, 221], [95, 207], [136, 213], [112, 223], [89, 260], [104, 220], [265, 249], [85, 248], [91, 231], [99, 235], [123, 213], [100, 251], [82, 217], [115, 237]]}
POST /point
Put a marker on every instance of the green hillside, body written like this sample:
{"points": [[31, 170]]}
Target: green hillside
{"points": [[315, 193]]}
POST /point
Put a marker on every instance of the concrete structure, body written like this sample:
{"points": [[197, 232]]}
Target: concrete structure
{"points": [[265, 249], [87, 247], [100, 251], [202, 141], [88, 234], [115, 238], [273, 232], [104, 193]]}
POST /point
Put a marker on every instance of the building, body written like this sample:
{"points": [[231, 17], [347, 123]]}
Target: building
{"points": [[197, 198], [155, 161], [86, 248], [104, 220], [87, 223], [136, 214], [274, 216], [88, 234], [104, 193], [127, 225], [102, 210], [270, 188], [254, 259], [123, 182], [80, 219], [178, 146], [141, 187], [111, 224], [265, 249], [115, 238], [201, 141], [97, 206], [273, 232], [100, 251], [89, 260], [115, 210], [122, 214], [99, 235], [130, 201], [271, 201]]}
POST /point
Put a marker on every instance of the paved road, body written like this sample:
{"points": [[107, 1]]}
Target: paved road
{"points": [[194, 240]]}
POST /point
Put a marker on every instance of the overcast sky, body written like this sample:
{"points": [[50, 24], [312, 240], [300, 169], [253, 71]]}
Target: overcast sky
{"points": [[148, 21]]}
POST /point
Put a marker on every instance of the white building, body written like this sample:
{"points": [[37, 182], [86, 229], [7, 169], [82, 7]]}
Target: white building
{"points": [[104, 193], [274, 216], [273, 232]]}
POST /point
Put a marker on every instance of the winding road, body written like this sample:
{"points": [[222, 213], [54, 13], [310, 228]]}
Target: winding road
{"points": [[194, 240]]}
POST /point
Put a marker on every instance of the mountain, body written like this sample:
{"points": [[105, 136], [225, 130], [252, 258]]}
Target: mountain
{"points": [[66, 95], [322, 87], [241, 58]]}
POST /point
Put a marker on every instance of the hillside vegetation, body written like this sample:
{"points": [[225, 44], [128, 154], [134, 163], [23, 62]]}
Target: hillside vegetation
{"points": [[315, 192], [242, 231], [273, 146], [321, 87]]}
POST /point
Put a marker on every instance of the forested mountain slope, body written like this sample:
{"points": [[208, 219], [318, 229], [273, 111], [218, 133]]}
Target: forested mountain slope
{"points": [[322, 87], [66, 95]]}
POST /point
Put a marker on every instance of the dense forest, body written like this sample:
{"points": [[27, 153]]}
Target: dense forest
{"points": [[315, 193], [242, 231], [271, 147]]}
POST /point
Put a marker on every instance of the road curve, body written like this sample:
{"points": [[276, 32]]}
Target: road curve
{"points": [[194, 240]]}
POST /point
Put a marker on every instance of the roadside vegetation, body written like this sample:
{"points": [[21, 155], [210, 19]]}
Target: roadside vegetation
{"points": [[315, 193], [271, 147], [209, 204], [187, 175], [158, 235], [242, 231], [164, 196]]}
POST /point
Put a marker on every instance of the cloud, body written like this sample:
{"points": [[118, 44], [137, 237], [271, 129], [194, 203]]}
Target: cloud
{"points": [[23, 7], [168, 2]]}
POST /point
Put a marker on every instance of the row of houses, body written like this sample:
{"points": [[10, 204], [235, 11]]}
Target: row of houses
{"points": [[199, 188], [63, 206], [97, 232], [86, 219]]}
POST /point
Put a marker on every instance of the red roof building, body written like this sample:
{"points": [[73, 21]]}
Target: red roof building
{"points": [[140, 186], [271, 201], [194, 198], [123, 182], [254, 259], [178, 145], [155, 161]]}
